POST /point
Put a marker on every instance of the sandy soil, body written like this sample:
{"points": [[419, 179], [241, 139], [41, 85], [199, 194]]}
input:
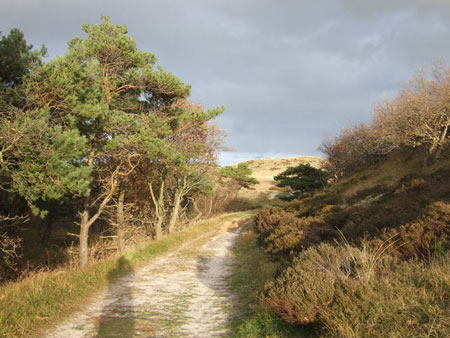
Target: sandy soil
{"points": [[181, 294], [265, 169]]}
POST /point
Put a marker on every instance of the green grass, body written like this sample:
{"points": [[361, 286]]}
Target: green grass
{"points": [[43, 299], [252, 270]]}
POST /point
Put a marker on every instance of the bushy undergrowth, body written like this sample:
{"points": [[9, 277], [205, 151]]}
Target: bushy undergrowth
{"points": [[358, 292], [428, 235], [282, 233], [368, 256]]}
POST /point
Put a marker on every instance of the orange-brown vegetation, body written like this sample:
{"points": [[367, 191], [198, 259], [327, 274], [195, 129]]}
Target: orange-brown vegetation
{"points": [[370, 253], [381, 264], [418, 117]]}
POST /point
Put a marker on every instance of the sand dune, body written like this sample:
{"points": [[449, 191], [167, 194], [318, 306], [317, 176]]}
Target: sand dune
{"points": [[265, 169]]}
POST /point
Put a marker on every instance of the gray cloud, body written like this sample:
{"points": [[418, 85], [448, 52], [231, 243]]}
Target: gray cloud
{"points": [[289, 72]]}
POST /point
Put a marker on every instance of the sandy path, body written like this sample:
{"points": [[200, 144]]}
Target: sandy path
{"points": [[181, 294]]}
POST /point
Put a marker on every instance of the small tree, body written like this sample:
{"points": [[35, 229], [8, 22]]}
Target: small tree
{"points": [[356, 146], [420, 115], [240, 173], [302, 178]]}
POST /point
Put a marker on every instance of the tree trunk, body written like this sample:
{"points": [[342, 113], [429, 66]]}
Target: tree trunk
{"points": [[426, 157], [159, 208], [199, 213], [84, 237], [86, 222], [437, 156], [48, 227], [175, 211], [120, 221]]}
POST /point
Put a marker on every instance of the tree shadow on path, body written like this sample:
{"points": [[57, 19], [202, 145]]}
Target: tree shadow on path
{"points": [[214, 272], [118, 318]]}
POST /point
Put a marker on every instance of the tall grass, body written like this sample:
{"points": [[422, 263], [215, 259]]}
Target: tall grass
{"points": [[42, 299], [364, 292], [253, 268]]}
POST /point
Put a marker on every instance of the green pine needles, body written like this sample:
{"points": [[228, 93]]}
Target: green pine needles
{"points": [[302, 178]]}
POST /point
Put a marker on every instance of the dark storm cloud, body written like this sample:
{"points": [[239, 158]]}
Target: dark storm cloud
{"points": [[289, 72]]}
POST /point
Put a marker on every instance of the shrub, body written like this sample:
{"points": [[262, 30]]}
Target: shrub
{"points": [[293, 234], [266, 220], [338, 218], [387, 212], [429, 233], [308, 285], [9, 256], [282, 233], [363, 292]]}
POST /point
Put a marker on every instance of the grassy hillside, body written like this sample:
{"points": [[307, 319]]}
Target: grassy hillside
{"points": [[366, 257]]}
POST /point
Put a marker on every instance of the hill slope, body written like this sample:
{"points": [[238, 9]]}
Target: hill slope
{"points": [[367, 255], [265, 169]]}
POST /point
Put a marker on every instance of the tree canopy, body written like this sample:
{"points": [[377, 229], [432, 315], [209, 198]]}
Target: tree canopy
{"points": [[240, 173], [97, 123], [16, 58], [301, 178]]}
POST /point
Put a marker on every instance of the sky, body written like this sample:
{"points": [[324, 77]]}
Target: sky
{"points": [[290, 73]]}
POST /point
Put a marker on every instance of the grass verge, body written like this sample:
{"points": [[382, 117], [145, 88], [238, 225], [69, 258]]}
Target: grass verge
{"points": [[44, 298], [252, 270]]}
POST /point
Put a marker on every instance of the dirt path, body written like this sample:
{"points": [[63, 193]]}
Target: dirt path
{"points": [[181, 294]]}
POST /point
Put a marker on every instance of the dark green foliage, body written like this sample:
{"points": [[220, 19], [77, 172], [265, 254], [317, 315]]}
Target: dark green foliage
{"points": [[41, 162], [301, 179], [97, 123], [16, 58], [241, 173]]}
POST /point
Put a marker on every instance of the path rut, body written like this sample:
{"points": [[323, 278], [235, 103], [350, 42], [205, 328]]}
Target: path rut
{"points": [[181, 294]]}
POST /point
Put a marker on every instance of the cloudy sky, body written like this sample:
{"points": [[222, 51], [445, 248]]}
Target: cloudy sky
{"points": [[290, 73]]}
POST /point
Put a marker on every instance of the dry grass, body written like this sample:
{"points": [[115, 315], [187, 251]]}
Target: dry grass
{"points": [[42, 298], [391, 277], [363, 292]]}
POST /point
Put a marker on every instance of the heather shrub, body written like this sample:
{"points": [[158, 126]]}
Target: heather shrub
{"points": [[282, 233], [329, 208], [325, 198], [308, 285], [428, 234], [293, 234], [363, 292], [408, 300], [413, 185], [298, 205], [339, 217], [266, 220], [388, 212]]}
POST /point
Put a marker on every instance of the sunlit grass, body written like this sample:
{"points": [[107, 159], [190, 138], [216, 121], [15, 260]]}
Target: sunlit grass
{"points": [[252, 270], [43, 298]]}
